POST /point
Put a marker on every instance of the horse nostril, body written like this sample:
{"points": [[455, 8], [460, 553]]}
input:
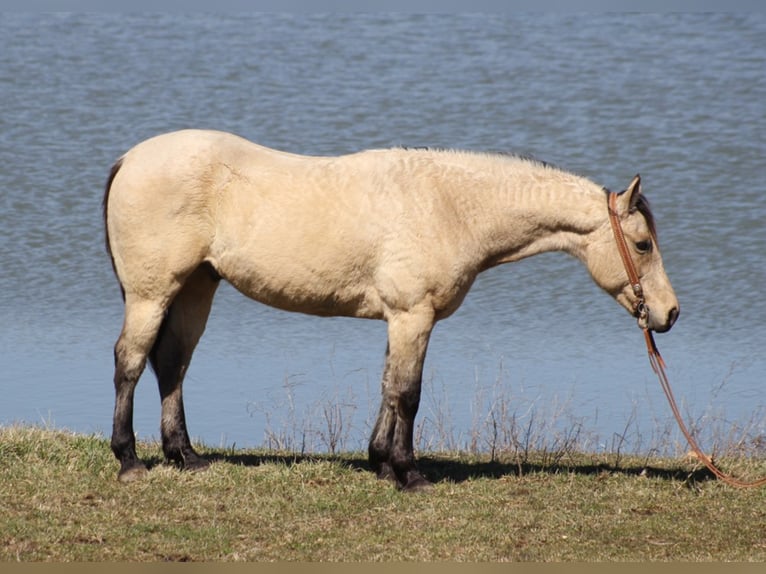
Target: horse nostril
{"points": [[672, 316]]}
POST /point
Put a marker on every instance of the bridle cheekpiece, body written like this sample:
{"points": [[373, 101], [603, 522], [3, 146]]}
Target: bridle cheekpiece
{"points": [[640, 309]]}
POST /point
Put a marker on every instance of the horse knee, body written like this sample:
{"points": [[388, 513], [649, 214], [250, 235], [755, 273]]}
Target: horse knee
{"points": [[121, 443]]}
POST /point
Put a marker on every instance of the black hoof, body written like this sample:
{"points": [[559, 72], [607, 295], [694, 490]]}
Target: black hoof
{"points": [[416, 482], [185, 459], [196, 465]]}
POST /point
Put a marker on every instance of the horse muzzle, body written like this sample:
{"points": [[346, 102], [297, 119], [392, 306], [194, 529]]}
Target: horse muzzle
{"points": [[655, 321]]}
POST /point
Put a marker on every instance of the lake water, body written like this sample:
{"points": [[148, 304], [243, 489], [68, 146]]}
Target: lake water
{"points": [[679, 98]]}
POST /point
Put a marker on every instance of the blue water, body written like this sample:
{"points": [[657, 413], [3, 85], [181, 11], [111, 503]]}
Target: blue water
{"points": [[678, 98]]}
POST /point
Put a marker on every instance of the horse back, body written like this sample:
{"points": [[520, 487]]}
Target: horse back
{"points": [[350, 235]]}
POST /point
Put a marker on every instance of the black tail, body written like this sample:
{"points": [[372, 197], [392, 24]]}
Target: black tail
{"points": [[112, 174]]}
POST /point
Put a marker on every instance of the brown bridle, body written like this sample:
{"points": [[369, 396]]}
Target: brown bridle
{"points": [[639, 307], [655, 359]]}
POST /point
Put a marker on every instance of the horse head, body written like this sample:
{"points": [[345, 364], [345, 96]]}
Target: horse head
{"points": [[636, 276]]}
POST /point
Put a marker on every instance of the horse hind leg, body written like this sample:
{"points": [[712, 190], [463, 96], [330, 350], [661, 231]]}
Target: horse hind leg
{"points": [[142, 322], [170, 357]]}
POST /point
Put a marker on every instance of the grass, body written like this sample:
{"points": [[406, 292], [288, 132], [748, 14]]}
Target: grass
{"points": [[60, 501]]}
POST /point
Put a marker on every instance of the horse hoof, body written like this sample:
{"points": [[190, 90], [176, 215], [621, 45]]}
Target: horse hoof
{"points": [[417, 483], [196, 465], [132, 474]]}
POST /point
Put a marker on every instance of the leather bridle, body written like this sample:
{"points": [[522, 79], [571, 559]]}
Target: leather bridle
{"points": [[639, 307], [655, 359]]}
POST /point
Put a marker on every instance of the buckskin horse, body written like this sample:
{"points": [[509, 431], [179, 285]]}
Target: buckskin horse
{"points": [[395, 234]]}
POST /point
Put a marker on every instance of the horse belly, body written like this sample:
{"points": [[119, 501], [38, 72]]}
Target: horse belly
{"points": [[284, 278]]}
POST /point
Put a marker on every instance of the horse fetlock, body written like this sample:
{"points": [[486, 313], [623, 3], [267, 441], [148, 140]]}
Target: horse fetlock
{"points": [[184, 456], [378, 458], [406, 479], [405, 471], [384, 471], [192, 461]]}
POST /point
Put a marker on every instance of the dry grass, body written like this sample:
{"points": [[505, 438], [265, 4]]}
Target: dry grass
{"points": [[60, 502]]}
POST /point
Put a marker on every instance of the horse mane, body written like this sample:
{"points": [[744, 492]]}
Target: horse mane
{"points": [[501, 154], [642, 205], [526, 158], [491, 154]]}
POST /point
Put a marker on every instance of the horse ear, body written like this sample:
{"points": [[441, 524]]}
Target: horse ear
{"points": [[629, 198]]}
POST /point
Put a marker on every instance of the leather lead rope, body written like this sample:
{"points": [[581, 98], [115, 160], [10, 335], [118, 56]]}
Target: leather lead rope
{"points": [[655, 359]]}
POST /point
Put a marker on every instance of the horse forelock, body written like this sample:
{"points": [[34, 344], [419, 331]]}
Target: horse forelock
{"points": [[644, 208]]}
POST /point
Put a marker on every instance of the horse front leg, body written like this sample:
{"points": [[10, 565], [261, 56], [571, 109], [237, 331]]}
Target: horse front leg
{"points": [[391, 448]]}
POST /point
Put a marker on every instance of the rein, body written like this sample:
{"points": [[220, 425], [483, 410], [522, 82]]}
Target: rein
{"points": [[655, 359]]}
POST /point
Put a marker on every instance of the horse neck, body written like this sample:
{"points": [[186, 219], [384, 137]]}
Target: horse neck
{"points": [[525, 208]]}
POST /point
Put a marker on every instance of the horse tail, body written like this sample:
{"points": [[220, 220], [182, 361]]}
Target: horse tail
{"points": [[112, 174]]}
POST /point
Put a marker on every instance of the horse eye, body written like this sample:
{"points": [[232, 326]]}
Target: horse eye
{"points": [[644, 246]]}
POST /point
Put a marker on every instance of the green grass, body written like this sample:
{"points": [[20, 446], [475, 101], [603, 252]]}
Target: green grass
{"points": [[60, 501]]}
